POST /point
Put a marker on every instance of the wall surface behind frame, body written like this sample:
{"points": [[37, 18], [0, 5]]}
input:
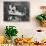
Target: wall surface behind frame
{"points": [[25, 28]]}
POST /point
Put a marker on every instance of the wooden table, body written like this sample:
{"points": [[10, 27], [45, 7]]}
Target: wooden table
{"points": [[25, 44]]}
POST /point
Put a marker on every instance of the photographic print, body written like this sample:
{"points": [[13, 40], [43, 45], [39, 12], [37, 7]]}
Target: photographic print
{"points": [[16, 11]]}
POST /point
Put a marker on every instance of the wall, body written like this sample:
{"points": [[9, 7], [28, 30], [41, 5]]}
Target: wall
{"points": [[25, 28]]}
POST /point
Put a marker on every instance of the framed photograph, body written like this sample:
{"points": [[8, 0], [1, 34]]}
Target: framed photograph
{"points": [[16, 11]]}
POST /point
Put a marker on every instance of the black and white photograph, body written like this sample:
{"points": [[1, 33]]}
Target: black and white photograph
{"points": [[16, 11]]}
